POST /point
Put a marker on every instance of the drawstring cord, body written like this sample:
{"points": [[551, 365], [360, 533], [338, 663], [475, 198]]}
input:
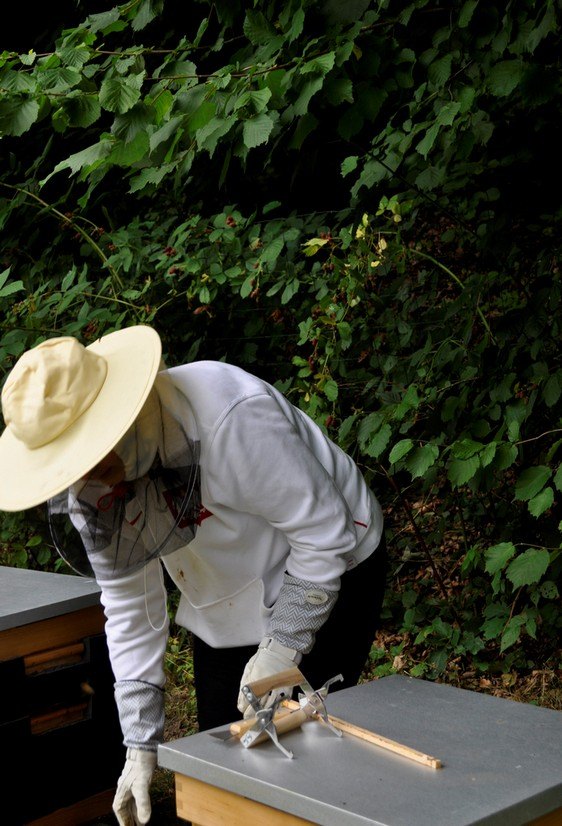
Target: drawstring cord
{"points": [[165, 600]]}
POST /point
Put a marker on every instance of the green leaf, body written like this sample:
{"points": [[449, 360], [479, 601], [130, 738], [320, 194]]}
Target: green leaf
{"points": [[504, 77], [465, 14], [410, 401], [487, 455], [127, 154], [60, 79], [367, 426], [372, 173], [549, 590], [85, 158], [68, 279], [165, 132], [330, 390], [460, 471], [497, 556], [379, 441], [345, 332], [98, 22], [259, 99], [506, 455], [4, 276], [257, 28], [247, 286], [346, 428], [208, 136], [531, 481], [75, 56], [431, 177], [140, 118], [541, 502], [421, 460], [465, 448], [492, 628], [312, 246], [558, 478], [400, 450], [552, 390], [349, 165], [448, 113], [82, 110], [17, 116], [529, 567], [290, 290], [152, 176], [271, 252], [297, 24], [201, 114], [439, 71], [309, 89], [29, 58], [119, 94], [339, 90], [426, 143], [512, 632], [257, 130], [322, 64], [9, 287], [146, 13]]}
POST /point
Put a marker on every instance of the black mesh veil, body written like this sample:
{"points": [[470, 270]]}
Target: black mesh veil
{"points": [[108, 532]]}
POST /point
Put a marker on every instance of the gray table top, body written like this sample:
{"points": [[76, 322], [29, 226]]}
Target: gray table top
{"points": [[502, 760], [29, 596]]}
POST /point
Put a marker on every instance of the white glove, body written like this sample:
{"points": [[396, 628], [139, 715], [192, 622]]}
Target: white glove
{"points": [[132, 798], [270, 658]]}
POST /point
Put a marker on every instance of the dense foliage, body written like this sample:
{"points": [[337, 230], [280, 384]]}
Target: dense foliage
{"points": [[355, 200]]}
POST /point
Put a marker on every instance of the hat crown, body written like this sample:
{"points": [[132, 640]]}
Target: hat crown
{"points": [[49, 388]]}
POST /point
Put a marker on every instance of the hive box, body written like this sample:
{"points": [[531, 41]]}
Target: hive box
{"points": [[502, 765], [59, 731]]}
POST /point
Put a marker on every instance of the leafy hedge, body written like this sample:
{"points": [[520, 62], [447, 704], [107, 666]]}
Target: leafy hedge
{"points": [[355, 200]]}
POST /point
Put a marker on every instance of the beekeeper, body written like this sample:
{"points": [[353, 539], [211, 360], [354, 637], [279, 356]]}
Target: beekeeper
{"points": [[265, 526]]}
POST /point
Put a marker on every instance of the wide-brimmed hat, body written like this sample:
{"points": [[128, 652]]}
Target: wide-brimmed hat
{"points": [[66, 406]]}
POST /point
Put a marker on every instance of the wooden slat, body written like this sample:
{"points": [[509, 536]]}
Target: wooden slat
{"points": [[82, 812], [54, 658], [50, 633], [206, 805], [60, 717]]}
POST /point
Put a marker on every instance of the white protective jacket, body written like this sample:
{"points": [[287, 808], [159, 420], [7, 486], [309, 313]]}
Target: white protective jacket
{"points": [[277, 495]]}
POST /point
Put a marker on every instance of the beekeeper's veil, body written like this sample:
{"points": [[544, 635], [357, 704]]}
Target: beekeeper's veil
{"points": [[66, 407]]}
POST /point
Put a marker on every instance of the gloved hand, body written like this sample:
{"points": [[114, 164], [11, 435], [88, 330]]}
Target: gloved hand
{"points": [[270, 658], [131, 804]]}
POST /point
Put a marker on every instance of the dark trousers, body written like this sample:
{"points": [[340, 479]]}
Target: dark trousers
{"points": [[341, 647]]}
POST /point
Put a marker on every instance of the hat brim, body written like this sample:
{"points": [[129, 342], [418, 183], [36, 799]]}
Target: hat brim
{"points": [[30, 477]]}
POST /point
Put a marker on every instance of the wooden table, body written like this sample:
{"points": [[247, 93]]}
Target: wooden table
{"points": [[59, 731], [502, 765]]}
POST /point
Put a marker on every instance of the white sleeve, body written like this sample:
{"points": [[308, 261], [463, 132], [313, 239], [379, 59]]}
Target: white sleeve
{"points": [[260, 464], [137, 624]]}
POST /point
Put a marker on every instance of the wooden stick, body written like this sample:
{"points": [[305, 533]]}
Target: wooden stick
{"points": [[291, 677], [240, 727], [377, 739], [283, 722]]}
